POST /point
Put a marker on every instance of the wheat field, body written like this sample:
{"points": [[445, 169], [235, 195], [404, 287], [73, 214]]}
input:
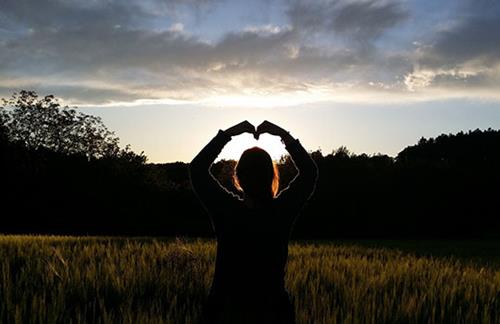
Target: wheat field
{"points": [[58, 279]]}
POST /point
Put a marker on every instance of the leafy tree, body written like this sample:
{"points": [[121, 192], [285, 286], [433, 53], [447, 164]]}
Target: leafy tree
{"points": [[317, 155], [471, 148], [4, 117], [41, 122], [342, 153]]}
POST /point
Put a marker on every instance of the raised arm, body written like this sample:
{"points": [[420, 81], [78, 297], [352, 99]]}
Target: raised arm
{"points": [[303, 185], [210, 192]]}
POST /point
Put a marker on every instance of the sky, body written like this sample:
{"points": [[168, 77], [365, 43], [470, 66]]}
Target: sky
{"points": [[166, 75]]}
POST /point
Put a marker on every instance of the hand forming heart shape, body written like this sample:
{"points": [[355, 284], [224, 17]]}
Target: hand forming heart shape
{"points": [[247, 127], [270, 128]]}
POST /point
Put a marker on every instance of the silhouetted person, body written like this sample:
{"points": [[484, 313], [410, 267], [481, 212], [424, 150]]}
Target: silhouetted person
{"points": [[253, 230]]}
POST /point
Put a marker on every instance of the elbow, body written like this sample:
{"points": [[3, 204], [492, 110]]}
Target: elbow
{"points": [[193, 172], [195, 166], [194, 162], [194, 181], [191, 169], [314, 166], [310, 176], [309, 171], [198, 173], [313, 175], [310, 184], [312, 170], [313, 182], [316, 171]]}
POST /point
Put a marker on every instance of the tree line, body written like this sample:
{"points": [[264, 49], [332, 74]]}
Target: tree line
{"points": [[64, 172]]}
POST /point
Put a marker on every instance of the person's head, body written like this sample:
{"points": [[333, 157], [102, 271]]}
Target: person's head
{"points": [[256, 175]]}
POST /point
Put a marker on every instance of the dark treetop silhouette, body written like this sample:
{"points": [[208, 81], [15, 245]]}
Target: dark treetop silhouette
{"points": [[253, 230]]}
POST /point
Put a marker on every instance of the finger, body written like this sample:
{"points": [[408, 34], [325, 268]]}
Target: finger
{"points": [[248, 127], [263, 124], [266, 124], [264, 128], [261, 127]]}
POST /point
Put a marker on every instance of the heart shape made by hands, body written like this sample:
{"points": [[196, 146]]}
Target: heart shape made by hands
{"points": [[256, 134], [269, 128], [247, 127], [258, 131]]}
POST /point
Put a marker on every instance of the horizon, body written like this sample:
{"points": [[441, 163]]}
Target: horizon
{"points": [[165, 76]]}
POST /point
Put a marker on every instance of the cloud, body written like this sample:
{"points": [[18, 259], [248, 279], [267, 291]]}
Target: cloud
{"points": [[51, 15], [175, 64], [475, 39], [362, 20], [139, 62], [266, 29], [466, 54], [104, 52], [75, 13]]}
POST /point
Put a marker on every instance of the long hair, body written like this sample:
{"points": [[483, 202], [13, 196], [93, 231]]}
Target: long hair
{"points": [[256, 174]]}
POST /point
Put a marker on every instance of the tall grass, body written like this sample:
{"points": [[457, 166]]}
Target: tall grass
{"points": [[47, 279]]}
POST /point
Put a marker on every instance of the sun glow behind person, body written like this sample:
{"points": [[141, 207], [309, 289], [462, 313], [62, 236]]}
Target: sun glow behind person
{"points": [[234, 149]]}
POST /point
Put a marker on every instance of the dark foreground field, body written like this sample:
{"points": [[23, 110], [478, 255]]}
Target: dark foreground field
{"points": [[154, 280]]}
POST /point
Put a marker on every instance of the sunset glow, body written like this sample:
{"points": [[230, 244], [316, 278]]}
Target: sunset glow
{"points": [[338, 72], [271, 144]]}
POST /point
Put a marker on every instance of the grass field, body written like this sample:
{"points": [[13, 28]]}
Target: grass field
{"points": [[145, 280]]}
